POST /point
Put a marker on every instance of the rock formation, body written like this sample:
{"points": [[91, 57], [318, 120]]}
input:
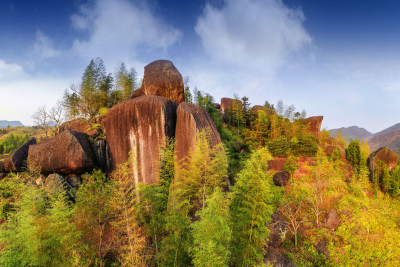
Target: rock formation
{"points": [[256, 108], [384, 154], [227, 103], [192, 119], [102, 155], [79, 125], [141, 124], [163, 79], [276, 164], [281, 178], [332, 220], [314, 124], [16, 160], [68, 152]]}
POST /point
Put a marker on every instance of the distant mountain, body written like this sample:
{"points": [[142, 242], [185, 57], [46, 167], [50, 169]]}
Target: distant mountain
{"points": [[389, 137], [5, 124], [352, 133], [390, 129]]}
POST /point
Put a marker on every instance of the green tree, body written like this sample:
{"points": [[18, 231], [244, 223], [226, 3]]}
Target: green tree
{"points": [[279, 147], [290, 166], [211, 233], [250, 210], [125, 82], [353, 154]]}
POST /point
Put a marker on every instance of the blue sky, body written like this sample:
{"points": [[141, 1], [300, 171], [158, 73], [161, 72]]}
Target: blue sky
{"points": [[339, 59]]}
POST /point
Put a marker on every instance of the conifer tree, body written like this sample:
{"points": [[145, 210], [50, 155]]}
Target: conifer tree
{"points": [[212, 233], [250, 211]]}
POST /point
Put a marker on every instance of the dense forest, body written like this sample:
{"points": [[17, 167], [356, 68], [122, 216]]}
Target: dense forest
{"points": [[221, 206]]}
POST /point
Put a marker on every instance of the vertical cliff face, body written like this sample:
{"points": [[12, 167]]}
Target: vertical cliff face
{"points": [[192, 119], [140, 125], [314, 124], [163, 79]]}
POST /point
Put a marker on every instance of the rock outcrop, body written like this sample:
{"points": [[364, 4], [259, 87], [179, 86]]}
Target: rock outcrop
{"points": [[384, 154], [17, 159], [68, 152], [141, 125], [314, 124], [227, 103], [276, 164], [161, 78], [281, 178], [79, 125], [192, 119], [332, 220], [256, 108]]}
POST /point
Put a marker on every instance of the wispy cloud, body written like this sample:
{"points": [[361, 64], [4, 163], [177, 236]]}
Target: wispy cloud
{"points": [[43, 47], [10, 71], [121, 30], [252, 33]]}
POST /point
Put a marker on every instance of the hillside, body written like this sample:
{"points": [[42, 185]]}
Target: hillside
{"points": [[5, 124], [352, 133], [389, 139]]}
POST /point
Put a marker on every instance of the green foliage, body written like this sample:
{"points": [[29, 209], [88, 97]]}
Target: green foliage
{"points": [[291, 166], [125, 83], [205, 169], [93, 215], [211, 233], [306, 146], [39, 232], [353, 154], [12, 142], [280, 147], [250, 210]]}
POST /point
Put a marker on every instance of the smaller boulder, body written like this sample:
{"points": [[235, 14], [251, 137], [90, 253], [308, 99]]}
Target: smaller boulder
{"points": [[384, 154], [15, 161], [281, 178], [74, 180], [332, 220], [80, 125]]}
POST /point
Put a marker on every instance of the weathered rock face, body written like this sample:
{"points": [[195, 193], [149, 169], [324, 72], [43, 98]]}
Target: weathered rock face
{"points": [[332, 220], [163, 79], [384, 154], [79, 125], [15, 161], [137, 93], [192, 119], [102, 155], [141, 124], [281, 178], [68, 152], [226, 103], [314, 124]]}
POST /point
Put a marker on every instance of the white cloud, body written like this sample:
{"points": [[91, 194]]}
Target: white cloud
{"points": [[43, 47], [10, 71], [252, 33], [121, 30]]}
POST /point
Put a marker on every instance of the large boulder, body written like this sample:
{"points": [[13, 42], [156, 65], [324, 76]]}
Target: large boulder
{"points": [[314, 124], [17, 159], [141, 125], [332, 220], [384, 154], [163, 79], [281, 178], [192, 119], [68, 152], [80, 125]]}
